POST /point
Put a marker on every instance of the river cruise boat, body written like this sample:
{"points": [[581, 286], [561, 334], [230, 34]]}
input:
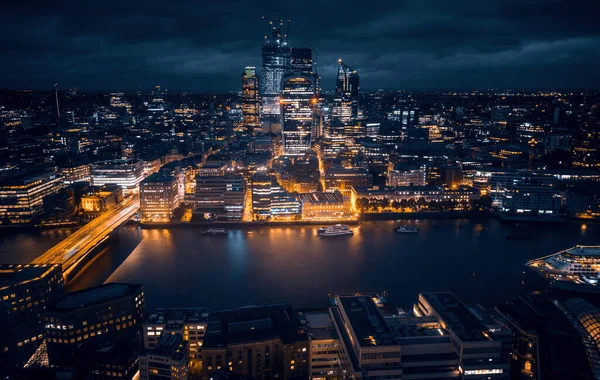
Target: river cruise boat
{"points": [[578, 264], [407, 229], [337, 230], [215, 231]]}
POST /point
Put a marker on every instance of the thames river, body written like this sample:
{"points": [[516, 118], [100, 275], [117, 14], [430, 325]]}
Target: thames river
{"points": [[182, 267]]}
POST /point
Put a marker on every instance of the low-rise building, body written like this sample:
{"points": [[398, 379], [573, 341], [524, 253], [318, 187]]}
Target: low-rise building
{"points": [[212, 169], [61, 205], [441, 339], [428, 193], [320, 205], [344, 179], [264, 342], [168, 359], [189, 322], [104, 198]]}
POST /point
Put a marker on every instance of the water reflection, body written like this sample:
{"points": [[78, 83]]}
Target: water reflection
{"points": [[181, 267]]}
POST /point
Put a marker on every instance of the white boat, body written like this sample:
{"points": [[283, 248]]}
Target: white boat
{"points": [[337, 230], [215, 231], [407, 229]]}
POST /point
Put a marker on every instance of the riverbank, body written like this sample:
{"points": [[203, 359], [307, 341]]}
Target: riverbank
{"points": [[424, 215], [240, 224]]}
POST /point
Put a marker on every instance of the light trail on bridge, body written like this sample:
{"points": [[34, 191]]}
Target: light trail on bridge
{"points": [[80, 243]]}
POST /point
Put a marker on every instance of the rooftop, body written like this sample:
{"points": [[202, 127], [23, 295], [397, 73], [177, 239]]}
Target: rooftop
{"points": [[366, 321], [253, 324], [320, 197], [93, 296], [178, 316], [457, 317], [171, 345], [14, 275]]}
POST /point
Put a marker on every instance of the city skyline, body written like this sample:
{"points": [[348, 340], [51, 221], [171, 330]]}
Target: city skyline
{"points": [[203, 47]]}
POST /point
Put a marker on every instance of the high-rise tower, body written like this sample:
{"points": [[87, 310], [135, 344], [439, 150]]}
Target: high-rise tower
{"points": [[345, 107], [275, 63], [298, 112], [301, 60], [250, 99]]}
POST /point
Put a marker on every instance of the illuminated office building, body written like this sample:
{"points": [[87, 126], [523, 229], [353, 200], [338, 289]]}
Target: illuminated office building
{"points": [[189, 322], [92, 318], [344, 179], [168, 359], [250, 99], [127, 173], [223, 196], [25, 290], [345, 108], [72, 173], [22, 195], [275, 63], [158, 197], [297, 112]]}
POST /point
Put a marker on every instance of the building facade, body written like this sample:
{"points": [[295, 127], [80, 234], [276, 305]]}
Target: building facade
{"points": [[22, 196], [25, 290], [168, 359], [88, 319], [159, 196], [297, 112], [127, 173], [250, 99]]}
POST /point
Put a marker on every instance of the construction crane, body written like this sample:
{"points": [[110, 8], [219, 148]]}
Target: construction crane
{"points": [[273, 22]]}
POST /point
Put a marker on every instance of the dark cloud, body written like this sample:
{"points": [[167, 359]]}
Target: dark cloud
{"points": [[203, 46]]}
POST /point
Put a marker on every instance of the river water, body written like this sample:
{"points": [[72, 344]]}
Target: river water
{"points": [[181, 267]]}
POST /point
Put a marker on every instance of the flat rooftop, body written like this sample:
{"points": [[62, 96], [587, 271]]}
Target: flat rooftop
{"points": [[253, 324], [14, 275], [178, 316], [367, 322], [171, 345], [93, 296], [457, 316]]}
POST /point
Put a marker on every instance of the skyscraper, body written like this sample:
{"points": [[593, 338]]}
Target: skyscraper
{"points": [[301, 60], [275, 63], [345, 107], [250, 99], [297, 112]]}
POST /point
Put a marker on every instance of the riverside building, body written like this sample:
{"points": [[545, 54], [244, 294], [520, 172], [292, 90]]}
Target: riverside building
{"points": [[127, 173]]}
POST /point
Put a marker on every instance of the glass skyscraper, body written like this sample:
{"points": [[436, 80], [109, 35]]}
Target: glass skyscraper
{"points": [[297, 112], [250, 99], [275, 63], [345, 107]]}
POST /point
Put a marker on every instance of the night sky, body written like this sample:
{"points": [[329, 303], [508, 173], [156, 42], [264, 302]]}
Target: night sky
{"points": [[204, 46]]}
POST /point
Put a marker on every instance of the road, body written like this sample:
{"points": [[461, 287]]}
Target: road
{"points": [[77, 245]]}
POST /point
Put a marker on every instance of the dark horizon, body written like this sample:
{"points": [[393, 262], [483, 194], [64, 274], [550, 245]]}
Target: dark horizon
{"points": [[204, 47]]}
